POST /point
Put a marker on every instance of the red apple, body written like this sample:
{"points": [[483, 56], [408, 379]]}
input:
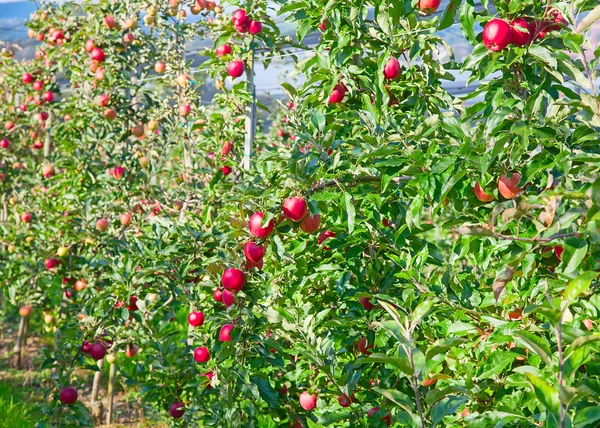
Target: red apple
{"points": [[326, 234], [185, 110], [68, 395], [133, 304], [363, 346], [240, 18], [344, 400], [226, 170], [102, 225], [338, 94], [366, 303], [227, 297], [254, 27], [109, 22], [38, 86], [48, 96], [80, 285], [233, 279], [97, 351], [47, 171], [391, 71], [295, 208], [254, 253], [509, 187], [176, 410], [4, 143], [51, 263], [518, 36], [387, 418], [311, 223], [429, 6], [125, 219], [225, 333], [196, 319], [131, 351], [97, 54], [25, 311], [110, 114], [235, 68], [226, 149], [496, 35], [308, 401], [223, 50], [201, 355], [255, 224], [481, 194], [160, 67], [27, 78], [217, 295], [103, 100], [558, 250], [89, 45], [323, 26]]}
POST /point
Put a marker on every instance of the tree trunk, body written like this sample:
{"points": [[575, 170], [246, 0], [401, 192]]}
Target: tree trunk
{"points": [[250, 116], [97, 405], [19, 348]]}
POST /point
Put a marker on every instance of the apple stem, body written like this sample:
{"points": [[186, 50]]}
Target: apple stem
{"points": [[251, 113], [110, 392]]}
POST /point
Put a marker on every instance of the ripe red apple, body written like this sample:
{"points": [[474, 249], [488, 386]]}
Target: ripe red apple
{"points": [[233, 279], [125, 219], [363, 346], [217, 295], [481, 194], [201, 355], [97, 54], [51, 263], [311, 223], [223, 50], [240, 18], [225, 333], [254, 253], [89, 45], [496, 35], [185, 110], [8, 125], [128, 38], [366, 303], [323, 26], [518, 36], [387, 418], [338, 94], [429, 6], [110, 22], [68, 395], [27, 78], [80, 285], [176, 410], [133, 304], [323, 236], [557, 21], [160, 67], [558, 250], [138, 130], [235, 68], [255, 223], [103, 100], [38, 86], [227, 146], [47, 171], [344, 400], [295, 208], [196, 319], [391, 71], [4, 143], [227, 297], [97, 351], [110, 114], [25, 311], [102, 225], [308, 401], [48, 96], [226, 170], [131, 351], [86, 346], [509, 187], [254, 27]]}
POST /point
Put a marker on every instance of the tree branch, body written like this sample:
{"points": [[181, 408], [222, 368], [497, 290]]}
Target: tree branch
{"points": [[355, 182]]}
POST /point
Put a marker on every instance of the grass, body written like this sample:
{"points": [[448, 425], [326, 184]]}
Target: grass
{"points": [[15, 410]]}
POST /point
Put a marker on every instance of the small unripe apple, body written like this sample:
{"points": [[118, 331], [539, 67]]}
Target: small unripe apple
{"points": [[111, 358], [182, 80], [25, 311], [102, 225], [201, 355], [152, 125], [68, 395], [48, 319], [62, 251], [308, 401], [130, 23], [144, 162]]}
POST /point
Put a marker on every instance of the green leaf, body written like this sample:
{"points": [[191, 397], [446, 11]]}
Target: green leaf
{"points": [[596, 192], [442, 345], [586, 417], [584, 340], [466, 15], [547, 395], [402, 364], [574, 252], [397, 397], [536, 344], [421, 311], [579, 285], [446, 406], [448, 17]]}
